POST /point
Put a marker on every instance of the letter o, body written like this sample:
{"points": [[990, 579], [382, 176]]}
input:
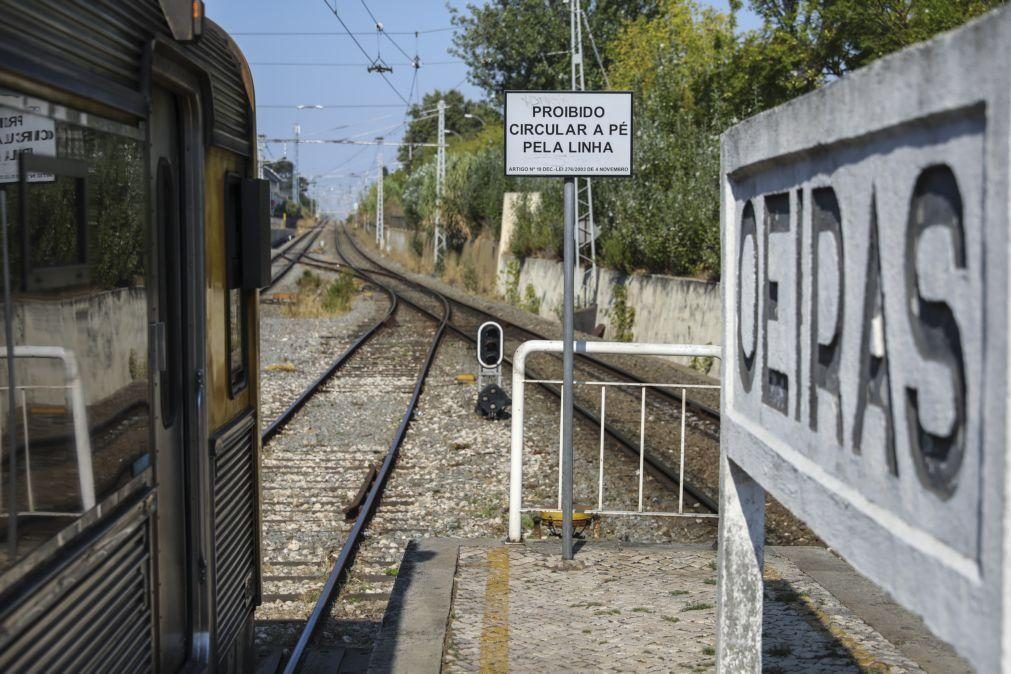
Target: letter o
{"points": [[747, 297]]}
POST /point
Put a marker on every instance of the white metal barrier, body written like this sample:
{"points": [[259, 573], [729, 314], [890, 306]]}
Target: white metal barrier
{"points": [[603, 348], [82, 439]]}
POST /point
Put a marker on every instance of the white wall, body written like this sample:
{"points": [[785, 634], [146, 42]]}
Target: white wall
{"points": [[667, 309], [106, 331]]}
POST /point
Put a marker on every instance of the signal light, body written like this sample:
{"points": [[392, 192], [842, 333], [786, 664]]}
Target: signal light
{"points": [[490, 345]]}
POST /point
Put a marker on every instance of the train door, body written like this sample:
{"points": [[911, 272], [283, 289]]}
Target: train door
{"points": [[169, 328]]}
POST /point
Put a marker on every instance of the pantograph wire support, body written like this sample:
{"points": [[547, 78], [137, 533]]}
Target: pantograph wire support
{"points": [[586, 232], [440, 179]]}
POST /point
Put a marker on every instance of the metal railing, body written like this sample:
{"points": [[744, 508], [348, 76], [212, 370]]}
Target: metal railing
{"points": [[82, 439], [609, 348]]}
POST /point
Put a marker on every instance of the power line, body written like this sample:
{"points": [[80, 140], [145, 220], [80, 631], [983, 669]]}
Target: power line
{"points": [[593, 43], [349, 65], [287, 106], [333, 10], [346, 29], [347, 161], [399, 48], [338, 34], [374, 19], [379, 27], [395, 90]]}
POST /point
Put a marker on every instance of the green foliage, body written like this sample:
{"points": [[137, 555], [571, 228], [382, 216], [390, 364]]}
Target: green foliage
{"points": [[319, 298], [339, 292], [538, 231], [693, 76], [424, 124], [832, 37], [308, 281], [522, 44], [702, 364], [531, 302], [472, 193], [512, 286], [622, 315]]}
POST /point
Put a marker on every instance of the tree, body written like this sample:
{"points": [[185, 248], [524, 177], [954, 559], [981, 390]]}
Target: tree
{"points": [[524, 44], [424, 124], [831, 37]]}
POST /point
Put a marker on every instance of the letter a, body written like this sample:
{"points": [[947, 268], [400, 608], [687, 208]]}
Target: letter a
{"points": [[874, 383]]}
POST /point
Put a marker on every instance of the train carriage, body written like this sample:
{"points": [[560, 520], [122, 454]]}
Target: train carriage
{"points": [[136, 241]]}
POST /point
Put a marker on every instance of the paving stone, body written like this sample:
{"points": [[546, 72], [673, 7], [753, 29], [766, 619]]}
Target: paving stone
{"points": [[631, 608]]}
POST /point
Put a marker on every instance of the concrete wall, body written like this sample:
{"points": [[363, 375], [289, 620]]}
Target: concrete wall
{"points": [[399, 240], [667, 309], [107, 332], [866, 267]]}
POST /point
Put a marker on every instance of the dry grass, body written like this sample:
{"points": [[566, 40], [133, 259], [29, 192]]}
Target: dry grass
{"points": [[317, 298]]}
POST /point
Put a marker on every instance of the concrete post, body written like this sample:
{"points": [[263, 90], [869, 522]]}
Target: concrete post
{"points": [[739, 579]]}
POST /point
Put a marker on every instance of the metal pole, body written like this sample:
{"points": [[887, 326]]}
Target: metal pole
{"points": [[380, 225], [567, 358], [295, 191], [12, 420], [440, 179]]}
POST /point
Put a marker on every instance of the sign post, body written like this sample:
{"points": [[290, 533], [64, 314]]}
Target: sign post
{"points": [[568, 134]]}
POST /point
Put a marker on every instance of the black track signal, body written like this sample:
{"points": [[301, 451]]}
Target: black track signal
{"points": [[490, 345]]}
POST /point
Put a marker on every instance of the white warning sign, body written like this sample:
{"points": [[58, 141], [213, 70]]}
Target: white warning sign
{"points": [[568, 133], [24, 133]]}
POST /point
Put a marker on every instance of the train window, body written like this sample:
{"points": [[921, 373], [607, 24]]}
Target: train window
{"points": [[53, 222], [79, 315], [235, 309]]}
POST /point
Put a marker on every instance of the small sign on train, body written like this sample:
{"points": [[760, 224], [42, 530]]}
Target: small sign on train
{"points": [[568, 133]]}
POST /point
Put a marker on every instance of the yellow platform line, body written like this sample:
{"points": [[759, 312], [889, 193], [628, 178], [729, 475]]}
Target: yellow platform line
{"points": [[495, 627]]}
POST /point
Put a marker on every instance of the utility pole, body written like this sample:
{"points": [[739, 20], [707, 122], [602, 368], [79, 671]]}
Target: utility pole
{"points": [[440, 179], [380, 232], [586, 233], [295, 191], [259, 156]]}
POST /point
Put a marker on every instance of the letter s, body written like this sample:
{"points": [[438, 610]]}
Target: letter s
{"points": [[936, 202]]}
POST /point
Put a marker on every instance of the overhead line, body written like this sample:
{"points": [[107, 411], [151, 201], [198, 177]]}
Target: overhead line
{"points": [[340, 33], [593, 43], [378, 27], [374, 19], [395, 90], [347, 30], [333, 10], [338, 105], [347, 65], [399, 48]]}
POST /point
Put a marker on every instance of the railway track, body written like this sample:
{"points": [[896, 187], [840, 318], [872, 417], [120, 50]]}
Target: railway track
{"points": [[663, 414], [385, 362], [308, 238], [391, 363], [659, 457]]}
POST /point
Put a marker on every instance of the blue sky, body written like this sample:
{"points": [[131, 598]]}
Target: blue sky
{"points": [[306, 32]]}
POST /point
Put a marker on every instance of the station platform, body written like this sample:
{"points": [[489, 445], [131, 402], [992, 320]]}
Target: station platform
{"points": [[482, 605]]}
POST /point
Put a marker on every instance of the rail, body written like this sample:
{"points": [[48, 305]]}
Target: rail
{"points": [[345, 557], [603, 348]]}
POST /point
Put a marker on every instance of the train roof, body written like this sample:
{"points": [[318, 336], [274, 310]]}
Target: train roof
{"points": [[101, 51]]}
